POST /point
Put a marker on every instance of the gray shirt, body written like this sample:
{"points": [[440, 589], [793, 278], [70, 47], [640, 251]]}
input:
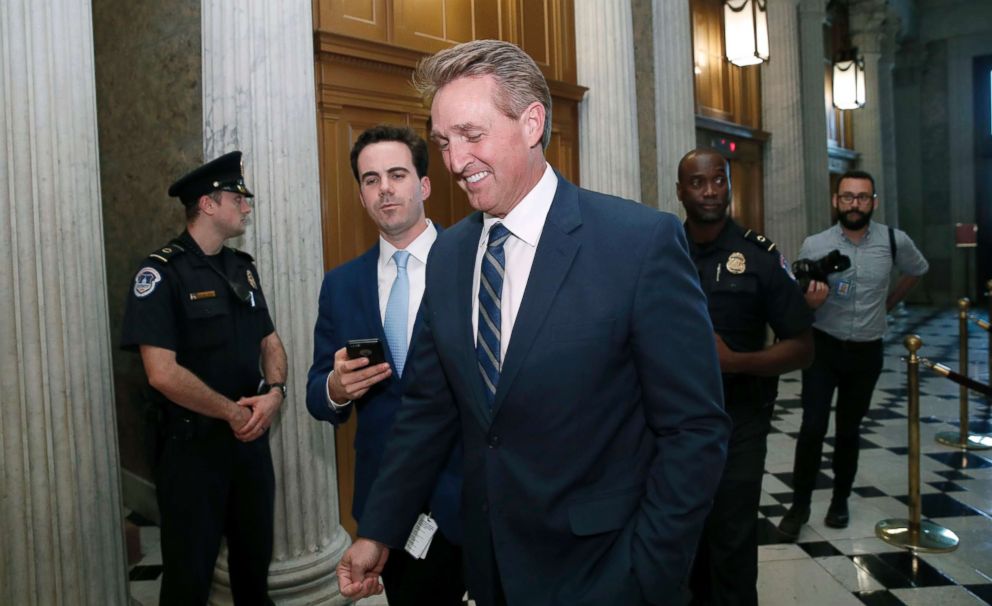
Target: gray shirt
{"points": [[855, 308]]}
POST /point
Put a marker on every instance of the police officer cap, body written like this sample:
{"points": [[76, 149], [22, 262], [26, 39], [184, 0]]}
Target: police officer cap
{"points": [[225, 173]]}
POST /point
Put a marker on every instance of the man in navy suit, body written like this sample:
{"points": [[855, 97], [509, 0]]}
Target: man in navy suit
{"points": [[377, 295], [566, 342]]}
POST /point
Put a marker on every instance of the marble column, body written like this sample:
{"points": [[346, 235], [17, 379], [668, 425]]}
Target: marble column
{"points": [[812, 16], [61, 518], [781, 100], [867, 19], [674, 94], [608, 151], [642, 18], [886, 99], [259, 96]]}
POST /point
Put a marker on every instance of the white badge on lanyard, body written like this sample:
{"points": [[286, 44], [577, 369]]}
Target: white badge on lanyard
{"points": [[420, 537]]}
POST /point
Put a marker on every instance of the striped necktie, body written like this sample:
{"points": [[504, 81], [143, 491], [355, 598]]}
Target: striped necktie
{"points": [[397, 312], [487, 348]]}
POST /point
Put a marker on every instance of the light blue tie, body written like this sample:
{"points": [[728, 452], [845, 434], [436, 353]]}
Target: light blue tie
{"points": [[397, 312], [487, 346]]}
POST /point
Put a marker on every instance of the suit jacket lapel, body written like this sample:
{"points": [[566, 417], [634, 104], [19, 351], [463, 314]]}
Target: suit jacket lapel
{"points": [[555, 253], [418, 320]]}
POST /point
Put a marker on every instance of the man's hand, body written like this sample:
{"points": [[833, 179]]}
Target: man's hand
{"points": [[263, 408], [816, 293], [351, 379], [359, 569], [237, 418], [726, 355]]}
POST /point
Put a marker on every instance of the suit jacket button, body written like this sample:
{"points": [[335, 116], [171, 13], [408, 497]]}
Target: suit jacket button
{"points": [[493, 441]]}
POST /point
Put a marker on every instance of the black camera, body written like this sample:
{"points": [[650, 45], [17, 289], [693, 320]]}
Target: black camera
{"points": [[807, 271]]}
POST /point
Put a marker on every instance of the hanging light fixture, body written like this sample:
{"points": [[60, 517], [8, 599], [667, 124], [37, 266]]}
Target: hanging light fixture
{"points": [[745, 31], [849, 80]]}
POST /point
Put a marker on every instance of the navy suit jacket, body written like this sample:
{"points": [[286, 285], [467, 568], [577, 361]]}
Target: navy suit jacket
{"points": [[349, 309], [589, 480]]}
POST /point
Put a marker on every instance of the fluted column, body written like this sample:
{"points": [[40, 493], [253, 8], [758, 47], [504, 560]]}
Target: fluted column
{"points": [[674, 100], [867, 18], [259, 96], [781, 100], [812, 16], [608, 151], [60, 505], [886, 99]]}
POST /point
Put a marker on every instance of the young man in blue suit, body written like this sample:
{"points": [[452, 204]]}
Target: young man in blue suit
{"points": [[566, 342], [377, 295]]}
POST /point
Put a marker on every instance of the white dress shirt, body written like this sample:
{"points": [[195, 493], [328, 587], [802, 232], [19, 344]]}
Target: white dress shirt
{"points": [[416, 270], [526, 223]]}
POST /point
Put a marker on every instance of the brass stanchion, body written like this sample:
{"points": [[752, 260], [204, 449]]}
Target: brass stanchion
{"points": [[964, 438], [913, 533]]}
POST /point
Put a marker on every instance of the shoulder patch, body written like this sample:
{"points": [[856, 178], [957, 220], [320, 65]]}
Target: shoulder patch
{"points": [[145, 281], [243, 254], [166, 253], [758, 240]]}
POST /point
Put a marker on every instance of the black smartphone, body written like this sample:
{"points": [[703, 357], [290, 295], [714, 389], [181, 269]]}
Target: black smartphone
{"points": [[366, 348]]}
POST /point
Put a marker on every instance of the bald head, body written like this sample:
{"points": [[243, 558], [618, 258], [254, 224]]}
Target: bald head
{"points": [[707, 153]]}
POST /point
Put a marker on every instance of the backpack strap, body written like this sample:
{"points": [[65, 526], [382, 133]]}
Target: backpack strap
{"points": [[892, 243]]}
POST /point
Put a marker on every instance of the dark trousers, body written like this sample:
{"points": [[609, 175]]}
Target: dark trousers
{"points": [[211, 486], [438, 579], [725, 571], [852, 370]]}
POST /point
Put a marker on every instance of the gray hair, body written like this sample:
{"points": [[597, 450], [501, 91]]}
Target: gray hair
{"points": [[519, 78]]}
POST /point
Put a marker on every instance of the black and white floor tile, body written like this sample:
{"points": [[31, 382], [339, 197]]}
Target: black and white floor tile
{"points": [[851, 566]]}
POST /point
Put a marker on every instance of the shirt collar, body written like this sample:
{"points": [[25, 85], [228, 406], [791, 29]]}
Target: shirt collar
{"points": [[526, 220], [721, 241], [418, 249]]}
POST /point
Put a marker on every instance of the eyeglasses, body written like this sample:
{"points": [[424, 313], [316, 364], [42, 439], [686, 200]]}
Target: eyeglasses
{"points": [[847, 198]]}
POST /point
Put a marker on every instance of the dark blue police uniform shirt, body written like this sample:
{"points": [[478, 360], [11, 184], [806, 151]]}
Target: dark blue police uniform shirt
{"points": [[210, 310], [749, 287]]}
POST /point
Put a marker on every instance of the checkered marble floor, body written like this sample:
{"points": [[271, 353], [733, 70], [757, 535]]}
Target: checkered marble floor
{"points": [[851, 566]]}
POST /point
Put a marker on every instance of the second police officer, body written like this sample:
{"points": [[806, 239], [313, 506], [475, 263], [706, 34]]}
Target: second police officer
{"points": [[748, 287]]}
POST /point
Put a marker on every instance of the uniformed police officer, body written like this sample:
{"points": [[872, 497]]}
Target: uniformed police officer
{"points": [[748, 287], [197, 314]]}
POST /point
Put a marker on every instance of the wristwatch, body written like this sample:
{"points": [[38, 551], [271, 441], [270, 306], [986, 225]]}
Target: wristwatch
{"points": [[280, 386]]}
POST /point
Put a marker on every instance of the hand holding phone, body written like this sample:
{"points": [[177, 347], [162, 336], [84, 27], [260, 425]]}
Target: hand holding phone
{"points": [[366, 348], [349, 381]]}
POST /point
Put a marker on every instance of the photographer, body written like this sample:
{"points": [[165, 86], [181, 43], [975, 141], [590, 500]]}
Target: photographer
{"points": [[850, 322]]}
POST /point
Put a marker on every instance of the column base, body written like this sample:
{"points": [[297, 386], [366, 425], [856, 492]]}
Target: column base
{"points": [[305, 580]]}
